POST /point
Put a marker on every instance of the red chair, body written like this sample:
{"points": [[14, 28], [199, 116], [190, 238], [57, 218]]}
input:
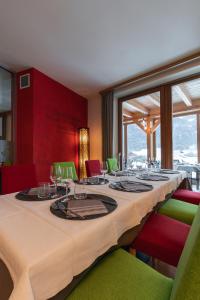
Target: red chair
{"points": [[163, 238], [187, 196], [18, 177], [93, 167]]}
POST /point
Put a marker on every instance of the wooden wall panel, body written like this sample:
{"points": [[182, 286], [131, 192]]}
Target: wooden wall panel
{"points": [[166, 127]]}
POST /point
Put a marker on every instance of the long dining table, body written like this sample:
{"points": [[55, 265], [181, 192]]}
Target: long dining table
{"points": [[43, 253]]}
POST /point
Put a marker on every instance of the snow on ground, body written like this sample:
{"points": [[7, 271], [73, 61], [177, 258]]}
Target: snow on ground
{"points": [[187, 156]]}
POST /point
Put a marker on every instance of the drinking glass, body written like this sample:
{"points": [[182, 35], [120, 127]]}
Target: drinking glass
{"points": [[43, 190], [67, 179], [80, 192], [53, 191], [117, 177], [126, 175], [104, 170], [53, 176]]}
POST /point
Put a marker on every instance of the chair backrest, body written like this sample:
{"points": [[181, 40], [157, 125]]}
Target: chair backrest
{"points": [[112, 164], [93, 167], [17, 177], [67, 164], [187, 283]]}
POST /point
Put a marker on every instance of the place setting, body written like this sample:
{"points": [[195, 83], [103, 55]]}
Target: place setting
{"points": [[83, 206], [131, 186], [61, 179], [120, 173], [92, 181], [44, 192], [166, 171], [152, 177]]}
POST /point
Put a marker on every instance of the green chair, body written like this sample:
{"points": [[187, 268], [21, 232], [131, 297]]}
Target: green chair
{"points": [[112, 164], [120, 276], [179, 210], [67, 164]]}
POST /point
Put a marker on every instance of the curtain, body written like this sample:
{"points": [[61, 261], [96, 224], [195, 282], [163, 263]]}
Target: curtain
{"points": [[107, 124]]}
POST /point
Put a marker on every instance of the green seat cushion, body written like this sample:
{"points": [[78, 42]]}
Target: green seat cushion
{"points": [[187, 281], [112, 164], [179, 210], [67, 164], [120, 276]]}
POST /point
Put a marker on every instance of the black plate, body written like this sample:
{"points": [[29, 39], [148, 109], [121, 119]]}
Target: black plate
{"points": [[166, 171], [153, 177], [110, 204], [117, 186], [101, 181], [123, 173], [24, 196]]}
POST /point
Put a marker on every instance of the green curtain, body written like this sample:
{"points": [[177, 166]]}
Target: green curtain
{"points": [[107, 124]]}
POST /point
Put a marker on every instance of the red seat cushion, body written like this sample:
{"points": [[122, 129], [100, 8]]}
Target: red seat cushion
{"points": [[162, 238], [93, 167], [18, 177], [187, 196]]}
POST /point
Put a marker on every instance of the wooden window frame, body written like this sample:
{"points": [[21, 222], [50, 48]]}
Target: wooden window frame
{"points": [[166, 116]]}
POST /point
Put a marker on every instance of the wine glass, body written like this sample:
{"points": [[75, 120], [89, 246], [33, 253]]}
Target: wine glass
{"points": [[53, 177], [104, 170], [66, 178]]}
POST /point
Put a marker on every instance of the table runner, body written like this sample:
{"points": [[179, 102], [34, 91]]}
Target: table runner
{"points": [[43, 253]]}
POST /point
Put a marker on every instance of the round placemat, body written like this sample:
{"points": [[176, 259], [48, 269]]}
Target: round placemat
{"points": [[92, 181], [166, 171], [109, 203], [24, 196], [152, 177], [131, 186], [122, 173]]}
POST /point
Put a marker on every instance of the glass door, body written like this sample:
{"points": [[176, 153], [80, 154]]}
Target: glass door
{"points": [[5, 117], [141, 130], [186, 128]]}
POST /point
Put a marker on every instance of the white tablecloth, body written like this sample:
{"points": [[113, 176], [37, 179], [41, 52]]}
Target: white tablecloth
{"points": [[43, 253]]}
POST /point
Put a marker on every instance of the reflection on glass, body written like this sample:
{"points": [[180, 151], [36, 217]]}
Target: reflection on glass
{"points": [[185, 139], [141, 131], [5, 116]]}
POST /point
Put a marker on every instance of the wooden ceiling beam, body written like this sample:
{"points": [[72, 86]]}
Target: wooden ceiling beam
{"points": [[153, 100], [140, 125], [127, 113], [183, 95], [175, 114], [138, 107], [170, 66], [179, 109], [155, 126]]}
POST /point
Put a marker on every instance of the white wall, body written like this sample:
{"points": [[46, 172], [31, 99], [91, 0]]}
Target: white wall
{"points": [[95, 126]]}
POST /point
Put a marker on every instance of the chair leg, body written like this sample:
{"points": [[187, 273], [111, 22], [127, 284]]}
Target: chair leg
{"points": [[132, 251]]}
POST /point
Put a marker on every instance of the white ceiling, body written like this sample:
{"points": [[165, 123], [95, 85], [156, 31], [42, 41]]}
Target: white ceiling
{"points": [[90, 44]]}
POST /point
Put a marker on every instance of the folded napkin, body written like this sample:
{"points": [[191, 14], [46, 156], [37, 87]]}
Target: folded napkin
{"points": [[123, 173], [131, 186], [166, 171], [152, 177], [87, 207], [117, 173]]}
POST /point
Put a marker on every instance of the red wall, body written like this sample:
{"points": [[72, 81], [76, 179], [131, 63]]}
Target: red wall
{"points": [[48, 118]]}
